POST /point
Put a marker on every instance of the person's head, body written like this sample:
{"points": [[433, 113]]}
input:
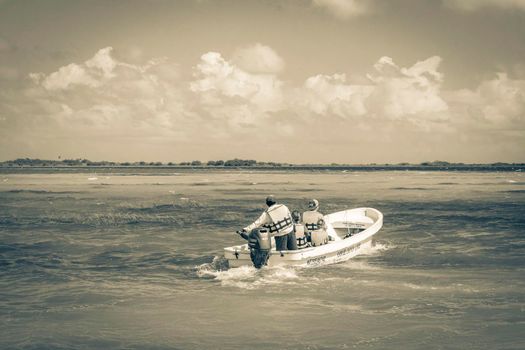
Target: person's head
{"points": [[313, 204], [296, 216], [270, 200]]}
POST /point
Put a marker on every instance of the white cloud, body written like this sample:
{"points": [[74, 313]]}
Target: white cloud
{"points": [[71, 74], [472, 5], [258, 58], [393, 93], [92, 73], [103, 93], [345, 9], [226, 90], [102, 63], [324, 94], [104, 98], [500, 101], [413, 92], [214, 74]]}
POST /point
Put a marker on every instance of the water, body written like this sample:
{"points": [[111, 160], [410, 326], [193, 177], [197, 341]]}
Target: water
{"points": [[133, 260]]}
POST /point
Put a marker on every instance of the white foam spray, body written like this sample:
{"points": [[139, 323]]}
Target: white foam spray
{"points": [[247, 277]]}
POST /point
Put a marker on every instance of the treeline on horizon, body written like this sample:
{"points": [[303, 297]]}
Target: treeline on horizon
{"points": [[79, 162]]}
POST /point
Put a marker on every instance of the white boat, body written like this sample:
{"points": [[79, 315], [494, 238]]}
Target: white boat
{"points": [[349, 233]]}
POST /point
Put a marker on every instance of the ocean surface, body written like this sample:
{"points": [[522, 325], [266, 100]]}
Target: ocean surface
{"points": [[133, 260]]}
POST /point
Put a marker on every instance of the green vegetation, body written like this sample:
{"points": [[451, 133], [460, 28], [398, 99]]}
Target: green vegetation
{"points": [[28, 162], [235, 163]]}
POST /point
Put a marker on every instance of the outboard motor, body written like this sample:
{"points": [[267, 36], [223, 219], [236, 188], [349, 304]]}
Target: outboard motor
{"points": [[260, 243]]}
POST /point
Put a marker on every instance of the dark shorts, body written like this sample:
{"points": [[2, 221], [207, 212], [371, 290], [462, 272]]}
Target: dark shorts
{"points": [[281, 242], [286, 242], [291, 242]]}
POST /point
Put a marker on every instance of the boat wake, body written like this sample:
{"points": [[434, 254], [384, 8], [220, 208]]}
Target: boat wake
{"points": [[375, 249], [247, 277]]}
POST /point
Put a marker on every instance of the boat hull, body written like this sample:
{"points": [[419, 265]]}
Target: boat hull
{"points": [[364, 222]]}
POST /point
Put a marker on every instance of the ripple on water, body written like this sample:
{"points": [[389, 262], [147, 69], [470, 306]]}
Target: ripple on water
{"points": [[143, 261]]}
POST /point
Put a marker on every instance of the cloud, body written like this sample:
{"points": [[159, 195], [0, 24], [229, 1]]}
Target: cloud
{"points": [[102, 63], [258, 58], [92, 73], [401, 92], [499, 101], [345, 9], [330, 94], [473, 5], [104, 93], [107, 101], [393, 93], [226, 90]]}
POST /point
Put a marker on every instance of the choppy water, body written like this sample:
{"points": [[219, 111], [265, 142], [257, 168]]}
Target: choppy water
{"points": [[133, 261]]}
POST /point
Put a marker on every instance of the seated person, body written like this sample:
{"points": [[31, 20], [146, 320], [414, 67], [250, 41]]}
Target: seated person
{"points": [[313, 221], [312, 216], [300, 234]]}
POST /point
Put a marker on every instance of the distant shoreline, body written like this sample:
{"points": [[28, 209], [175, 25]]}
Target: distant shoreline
{"points": [[79, 164], [351, 168]]}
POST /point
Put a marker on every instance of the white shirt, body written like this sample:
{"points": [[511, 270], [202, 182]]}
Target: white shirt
{"points": [[266, 219]]}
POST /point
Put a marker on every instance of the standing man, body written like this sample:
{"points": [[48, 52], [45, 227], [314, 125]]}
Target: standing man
{"points": [[278, 219]]}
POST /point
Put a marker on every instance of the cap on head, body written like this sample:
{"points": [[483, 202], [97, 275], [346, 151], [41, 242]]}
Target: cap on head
{"points": [[270, 200], [313, 204]]}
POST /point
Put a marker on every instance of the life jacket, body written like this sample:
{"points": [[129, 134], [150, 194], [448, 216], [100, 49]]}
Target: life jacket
{"points": [[314, 224], [302, 240], [311, 220], [281, 220]]}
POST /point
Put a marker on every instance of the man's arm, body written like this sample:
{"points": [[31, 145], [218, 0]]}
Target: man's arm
{"points": [[263, 219]]}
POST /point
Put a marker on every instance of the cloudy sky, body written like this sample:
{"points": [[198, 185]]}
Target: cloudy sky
{"points": [[301, 81]]}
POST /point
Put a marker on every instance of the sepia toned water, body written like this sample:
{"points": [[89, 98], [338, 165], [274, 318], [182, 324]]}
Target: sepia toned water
{"points": [[132, 260]]}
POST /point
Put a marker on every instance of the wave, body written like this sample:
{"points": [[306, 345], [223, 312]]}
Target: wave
{"points": [[413, 189], [247, 277], [39, 191], [309, 189], [92, 220], [376, 248], [250, 191], [514, 182], [361, 262], [205, 183], [181, 204], [193, 214]]}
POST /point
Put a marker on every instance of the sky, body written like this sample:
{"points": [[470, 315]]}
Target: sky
{"points": [[299, 81]]}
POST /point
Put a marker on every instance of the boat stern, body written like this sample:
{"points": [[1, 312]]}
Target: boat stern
{"points": [[238, 255]]}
